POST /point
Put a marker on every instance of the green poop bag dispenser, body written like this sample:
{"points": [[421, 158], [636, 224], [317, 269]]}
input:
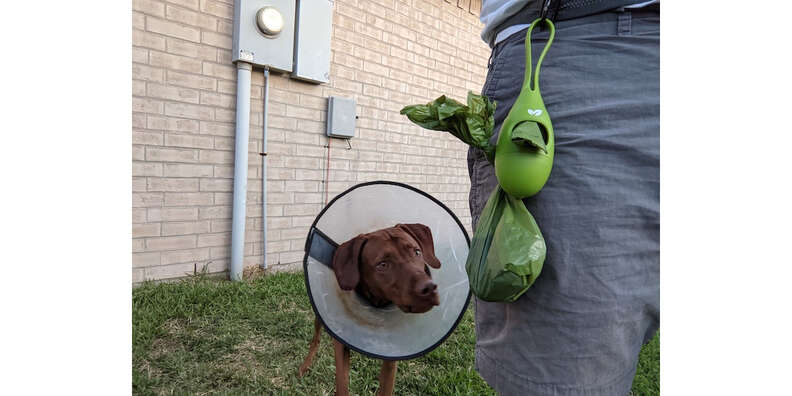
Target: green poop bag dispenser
{"points": [[525, 148]]}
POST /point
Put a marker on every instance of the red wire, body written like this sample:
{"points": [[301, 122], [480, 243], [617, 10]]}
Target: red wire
{"points": [[327, 169]]}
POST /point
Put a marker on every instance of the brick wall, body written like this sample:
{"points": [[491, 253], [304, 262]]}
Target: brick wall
{"points": [[385, 54]]}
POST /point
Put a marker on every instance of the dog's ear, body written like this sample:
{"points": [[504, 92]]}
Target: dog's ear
{"points": [[346, 262], [423, 235]]}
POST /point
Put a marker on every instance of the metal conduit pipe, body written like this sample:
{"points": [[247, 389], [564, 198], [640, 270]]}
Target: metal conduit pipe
{"points": [[242, 137], [264, 173]]}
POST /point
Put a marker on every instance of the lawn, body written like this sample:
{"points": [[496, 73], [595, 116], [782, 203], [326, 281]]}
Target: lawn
{"points": [[204, 335]]}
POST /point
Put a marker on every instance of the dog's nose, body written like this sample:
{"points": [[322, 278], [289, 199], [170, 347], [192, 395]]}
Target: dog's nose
{"points": [[427, 288]]}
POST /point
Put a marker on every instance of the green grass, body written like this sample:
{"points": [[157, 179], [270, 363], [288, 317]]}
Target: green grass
{"points": [[204, 335]]}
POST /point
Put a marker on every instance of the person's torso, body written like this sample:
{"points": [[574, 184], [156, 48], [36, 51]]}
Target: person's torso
{"points": [[496, 15]]}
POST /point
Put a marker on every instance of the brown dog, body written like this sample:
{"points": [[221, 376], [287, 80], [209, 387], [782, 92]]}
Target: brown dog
{"points": [[385, 266]]}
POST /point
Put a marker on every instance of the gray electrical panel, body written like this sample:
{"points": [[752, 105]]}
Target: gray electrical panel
{"points": [[251, 44], [341, 115], [312, 42]]}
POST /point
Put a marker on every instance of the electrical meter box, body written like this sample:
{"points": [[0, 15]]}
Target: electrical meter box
{"points": [[312, 40], [341, 117], [264, 33]]}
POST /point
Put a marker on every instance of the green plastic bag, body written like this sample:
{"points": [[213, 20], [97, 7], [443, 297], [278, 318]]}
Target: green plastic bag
{"points": [[507, 252], [508, 249]]}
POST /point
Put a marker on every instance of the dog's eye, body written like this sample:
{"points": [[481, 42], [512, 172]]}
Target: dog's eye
{"points": [[417, 252], [382, 266]]}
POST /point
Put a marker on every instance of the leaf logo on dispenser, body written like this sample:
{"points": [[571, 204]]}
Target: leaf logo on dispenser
{"points": [[535, 112]]}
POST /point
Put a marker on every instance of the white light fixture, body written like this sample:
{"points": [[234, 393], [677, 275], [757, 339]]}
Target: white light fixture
{"points": [[270, 21]]}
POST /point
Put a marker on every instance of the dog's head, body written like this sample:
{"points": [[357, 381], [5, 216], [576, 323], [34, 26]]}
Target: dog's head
{"points": [[390, 265]]}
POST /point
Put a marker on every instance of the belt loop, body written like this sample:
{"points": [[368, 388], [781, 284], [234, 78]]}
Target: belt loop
{"points": [[625, 22]]}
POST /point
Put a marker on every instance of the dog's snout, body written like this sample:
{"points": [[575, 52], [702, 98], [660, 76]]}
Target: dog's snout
{"points": [[427, 288]]}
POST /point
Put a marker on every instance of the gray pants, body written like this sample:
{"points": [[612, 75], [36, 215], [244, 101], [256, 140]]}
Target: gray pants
{"points": [[580, 327]]}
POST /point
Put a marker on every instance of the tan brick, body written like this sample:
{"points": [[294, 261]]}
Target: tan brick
{"points": [[172, 184], [139, 184], [226, 27], [138, 152], [220, 225], [301, 209], [308, 174], [138, 88], [223, 115], [308, 198], [185, 228], [224, 198], [217, 8], [140, 200], [291, 257], [305, 163], [138, 120], [194, 141], [189, 111], [217, 184], [144, 105], [225, 171], [219, 71], [190, 80], [216, 39], [188, 199], [279, 198], [172, 214], [302, 186], [149, 7], [171, 243], [185, 256], [217, 157], [173, 29], [172, 93], [172, 124], [145, 230], [138, 215], [277, 246], [224, 143], [191, 18], [188, 170], [146, 168], [347, 85], [169, 271], [228, 87], [145, 259], [138, 20], [145, 39], [215, 128], [191, 50], [192, 4], [219, 252], [218, 239], [171, 154], [138, 245], [175, 62], [217, 99], [215, 212]]}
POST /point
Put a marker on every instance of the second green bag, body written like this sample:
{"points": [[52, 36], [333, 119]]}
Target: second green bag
{"points": [[507, 252]]}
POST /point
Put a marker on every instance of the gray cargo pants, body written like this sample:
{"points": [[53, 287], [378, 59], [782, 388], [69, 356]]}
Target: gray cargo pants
{"points": [[580, 327]]}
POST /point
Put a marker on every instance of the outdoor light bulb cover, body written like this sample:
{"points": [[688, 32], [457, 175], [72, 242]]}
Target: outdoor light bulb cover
{"points": [[269, 21]]}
